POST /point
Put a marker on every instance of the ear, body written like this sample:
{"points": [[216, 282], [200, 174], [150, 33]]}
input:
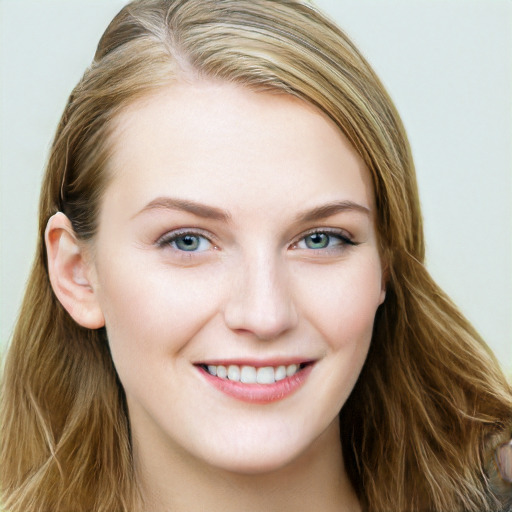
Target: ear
{"points": [[70, 273], [384, 282]]}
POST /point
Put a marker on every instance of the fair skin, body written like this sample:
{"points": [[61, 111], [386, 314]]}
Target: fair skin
{"points": [[237, 230]]}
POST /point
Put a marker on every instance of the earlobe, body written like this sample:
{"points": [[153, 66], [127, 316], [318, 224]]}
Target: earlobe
{"points": [[70, 271], [384, 283], [382, 295]]}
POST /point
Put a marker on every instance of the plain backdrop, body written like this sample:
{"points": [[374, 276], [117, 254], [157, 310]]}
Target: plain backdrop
{"points": [[447, 65]]}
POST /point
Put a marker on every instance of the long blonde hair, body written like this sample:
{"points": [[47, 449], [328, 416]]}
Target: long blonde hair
{"points": [[431, 399]]}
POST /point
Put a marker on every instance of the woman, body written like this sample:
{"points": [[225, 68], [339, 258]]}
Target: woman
{"points": [[229, 307]]}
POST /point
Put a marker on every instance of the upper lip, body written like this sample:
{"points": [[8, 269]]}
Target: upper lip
{"points": [[257, 363]]}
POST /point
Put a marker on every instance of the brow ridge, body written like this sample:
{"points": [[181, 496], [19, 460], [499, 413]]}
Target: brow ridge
{"points": [[201, 210], [187, 205], [328, 210]]}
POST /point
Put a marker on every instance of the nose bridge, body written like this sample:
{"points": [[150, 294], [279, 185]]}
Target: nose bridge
{"points": [[261, 299]]}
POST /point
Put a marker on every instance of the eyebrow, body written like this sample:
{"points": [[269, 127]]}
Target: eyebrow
{"points": [[212, 212], [198, 209], [330, 209]]}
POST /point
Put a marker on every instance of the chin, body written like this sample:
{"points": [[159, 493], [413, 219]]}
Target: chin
{"points": [[263, 457], [255, 465]]}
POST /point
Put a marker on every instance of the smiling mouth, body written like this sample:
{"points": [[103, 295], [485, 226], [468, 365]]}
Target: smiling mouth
{"points": [[261, 384], [247, 374]]}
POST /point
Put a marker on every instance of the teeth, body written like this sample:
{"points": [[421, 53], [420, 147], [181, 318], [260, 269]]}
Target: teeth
{"points": [[291, 370], [265, 375], [234, 372], [248, 375], [280, 373], [253, 375]]}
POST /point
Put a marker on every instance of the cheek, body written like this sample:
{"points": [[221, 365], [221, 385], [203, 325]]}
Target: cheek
{"points": [[344, 315], [150, 310], [343, 302]]}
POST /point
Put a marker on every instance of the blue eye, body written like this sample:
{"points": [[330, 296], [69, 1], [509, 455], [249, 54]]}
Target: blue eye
{"points": [[323, 240], [317, 241], [186, 242]]}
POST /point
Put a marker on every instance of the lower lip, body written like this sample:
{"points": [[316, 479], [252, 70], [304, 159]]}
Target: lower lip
{"points": [[259, 393]]}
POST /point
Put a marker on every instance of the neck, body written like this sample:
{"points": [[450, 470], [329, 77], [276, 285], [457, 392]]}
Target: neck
{"points": [[316, 480]]}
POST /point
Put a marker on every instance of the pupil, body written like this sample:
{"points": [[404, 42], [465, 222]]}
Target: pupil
{"points": [[187, 242], [317, 241]]}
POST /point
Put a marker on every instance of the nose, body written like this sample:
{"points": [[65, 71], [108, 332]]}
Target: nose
{"points": [[260, 300]]}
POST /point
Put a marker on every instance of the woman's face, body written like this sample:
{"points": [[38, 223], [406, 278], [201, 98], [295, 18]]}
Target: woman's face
{"points": [[236, 236]]}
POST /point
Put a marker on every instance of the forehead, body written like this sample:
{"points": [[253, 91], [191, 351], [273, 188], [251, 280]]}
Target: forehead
{"points": [[227, 145]]}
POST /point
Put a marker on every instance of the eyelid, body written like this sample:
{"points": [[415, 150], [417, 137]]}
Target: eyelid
{"points": [[341, 233], [169, 236], [165, 239]]}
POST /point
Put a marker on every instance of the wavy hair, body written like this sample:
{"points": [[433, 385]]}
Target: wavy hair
{"points": [[431, 403]]}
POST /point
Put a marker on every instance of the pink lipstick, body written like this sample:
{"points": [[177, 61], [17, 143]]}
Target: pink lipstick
{"points": [[258, 383]]}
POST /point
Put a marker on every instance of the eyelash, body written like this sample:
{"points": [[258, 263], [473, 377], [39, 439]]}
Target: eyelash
{"points": [[343, 238], [170, 239]]}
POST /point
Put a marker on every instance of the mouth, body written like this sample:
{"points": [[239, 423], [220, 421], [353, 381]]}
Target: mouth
{"points": [[261, 383], [248, 374]]}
